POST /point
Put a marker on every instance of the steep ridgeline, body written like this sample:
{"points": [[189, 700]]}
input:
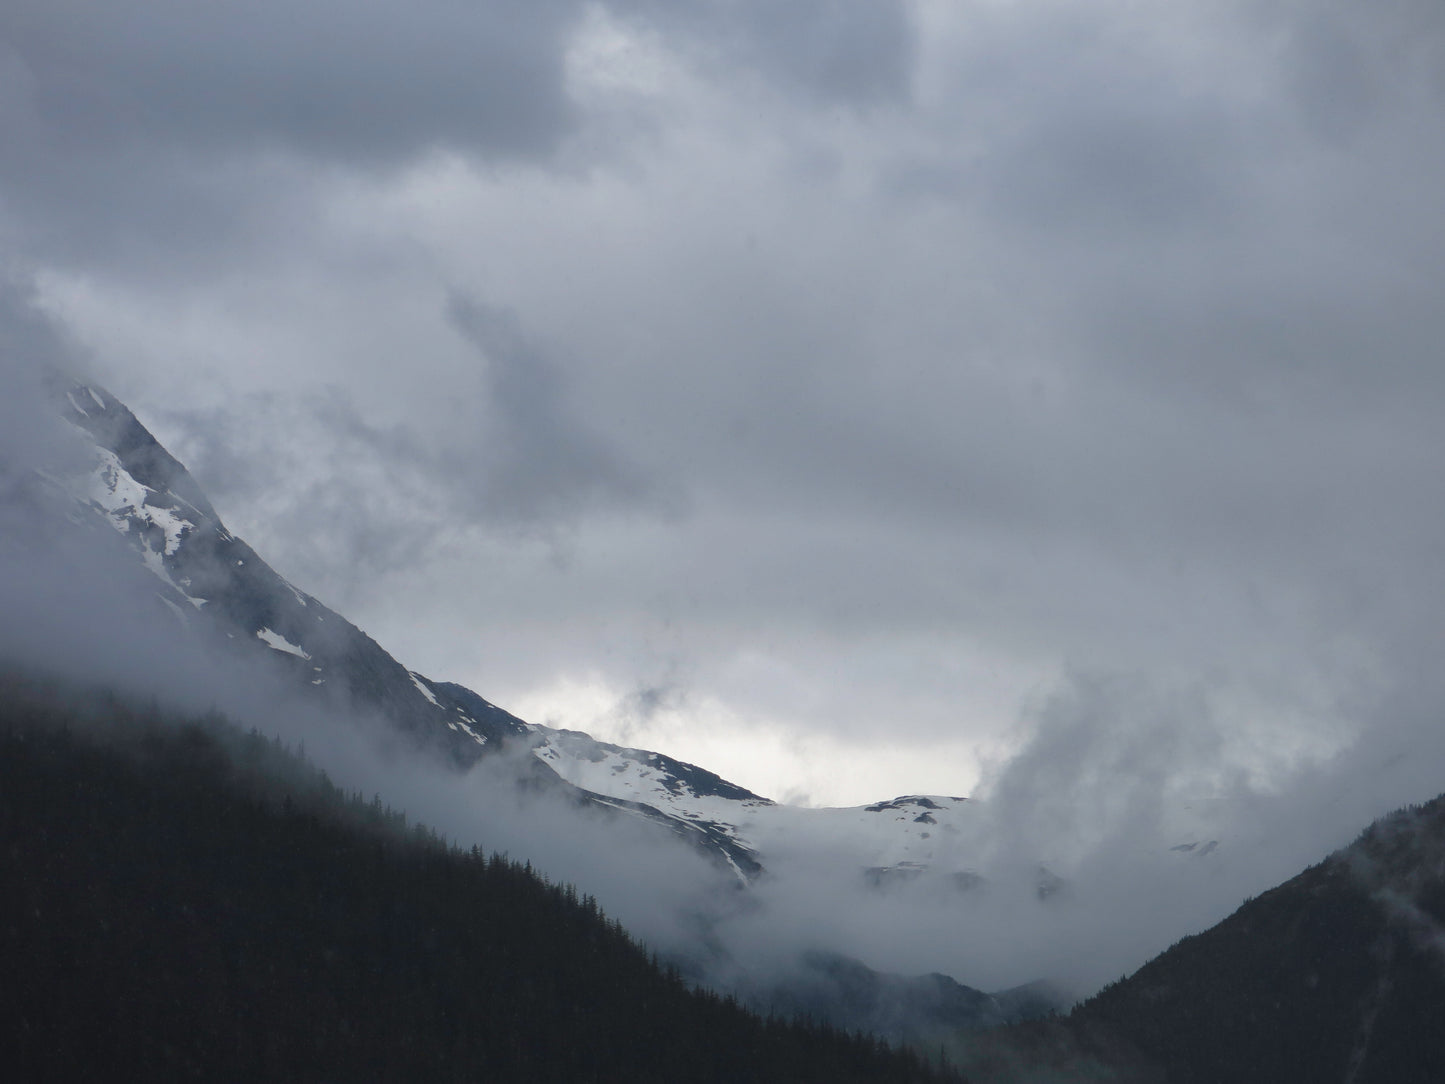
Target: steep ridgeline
{"points": [[215, 582], [218, 587]]}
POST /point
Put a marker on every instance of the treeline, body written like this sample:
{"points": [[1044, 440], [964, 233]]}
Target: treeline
{"points": [[182, 900]]}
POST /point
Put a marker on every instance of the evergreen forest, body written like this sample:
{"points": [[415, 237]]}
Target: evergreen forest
{"points": [[183, 901]]}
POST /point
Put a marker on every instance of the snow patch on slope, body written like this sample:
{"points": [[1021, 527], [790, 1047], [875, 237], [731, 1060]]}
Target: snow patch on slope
{"points": [[461, 727], [129, 503], [76, 406], [927, 831], [275, 640], [422, 688], [634, 775], [137, 511]]}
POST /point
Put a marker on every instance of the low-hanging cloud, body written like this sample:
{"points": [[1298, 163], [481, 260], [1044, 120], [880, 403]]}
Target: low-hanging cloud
{"points": [[371, 498], [541, 452]]}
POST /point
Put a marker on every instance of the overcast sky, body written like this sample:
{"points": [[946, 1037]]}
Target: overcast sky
{"points": [[841, 395]]}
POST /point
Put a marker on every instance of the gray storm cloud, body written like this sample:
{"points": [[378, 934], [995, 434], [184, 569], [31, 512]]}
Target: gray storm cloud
{"points": [[168, 132]]}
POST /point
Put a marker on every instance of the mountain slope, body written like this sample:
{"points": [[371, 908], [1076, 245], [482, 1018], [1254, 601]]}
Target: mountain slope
{"points": [[1336, 975]]}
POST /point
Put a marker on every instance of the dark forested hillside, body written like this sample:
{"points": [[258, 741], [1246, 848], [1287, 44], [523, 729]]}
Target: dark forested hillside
{"points": [[181, 900], [1336, 975]]}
